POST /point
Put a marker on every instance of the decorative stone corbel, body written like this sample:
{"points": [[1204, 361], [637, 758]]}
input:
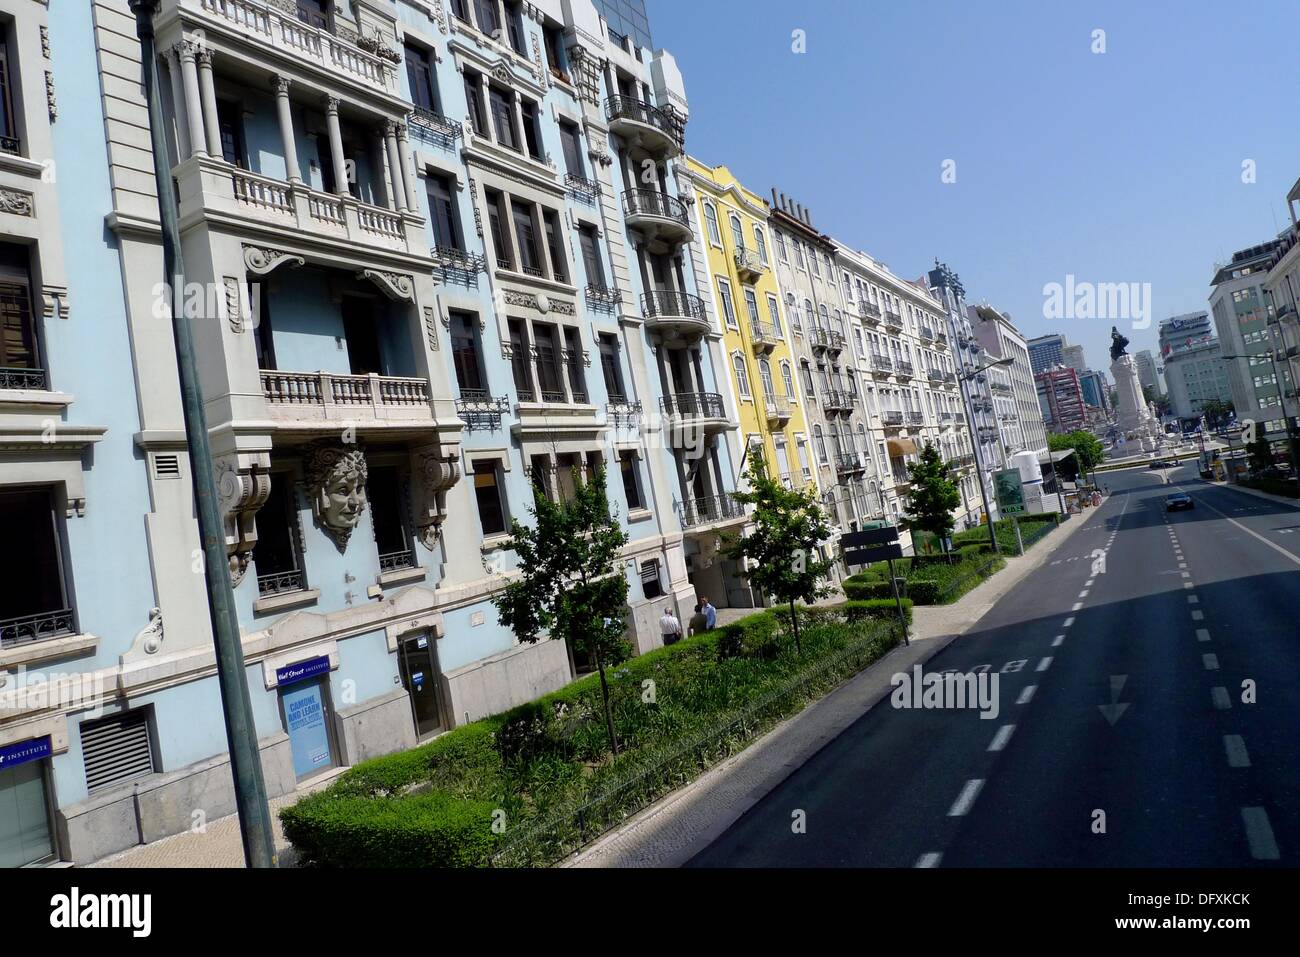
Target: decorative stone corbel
{"points": [[243, 485], [394, 285], [261, 260], [438, 469], [148, 640]]}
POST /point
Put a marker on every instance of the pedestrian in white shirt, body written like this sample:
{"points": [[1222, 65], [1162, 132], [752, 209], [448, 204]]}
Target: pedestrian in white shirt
{"points": [[670, 627]]}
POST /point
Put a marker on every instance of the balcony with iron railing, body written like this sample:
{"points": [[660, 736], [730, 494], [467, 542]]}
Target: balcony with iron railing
{"points": [[314, 401], [660, 218], [837, 400], [869, 312], [25, 380], [455, 263], [916, 418], [892, 418], [893, 320], [823, 339], [329, 52], [749, 265], [777, 408], [645, 125], [925, 333], [763, 335], [710, 510], [602, 297], [904, 369], [935, 376], [28, 629], [480, 410], [432, 126], [676, 315], [848, 462], [881, 364], [582, 188]]}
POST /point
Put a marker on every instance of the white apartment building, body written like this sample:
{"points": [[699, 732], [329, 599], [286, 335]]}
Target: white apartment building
{"points": [[1000, 338]]}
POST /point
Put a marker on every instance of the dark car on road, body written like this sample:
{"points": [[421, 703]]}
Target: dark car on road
{"points": [[1162, 464], [1178, 501]]}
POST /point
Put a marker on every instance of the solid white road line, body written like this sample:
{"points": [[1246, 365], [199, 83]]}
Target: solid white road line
{"points": [[1211, 662], [929, 860], [1027, 694], [1044, 664], [966, 798], [1202, 634], [1235, 746], [1219, 696], [1260, 834], [1002, 737]]}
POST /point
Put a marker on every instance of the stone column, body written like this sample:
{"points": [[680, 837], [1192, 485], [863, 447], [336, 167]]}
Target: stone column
{"points": [[178, 103], [341, 185], [285, 115], [408, 169], [208, 92], [193, 107], [395, 188]]}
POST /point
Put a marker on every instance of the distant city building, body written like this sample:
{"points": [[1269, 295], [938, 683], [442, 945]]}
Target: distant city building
{"points": [[1241, 312], [1283, 284], [1046, 352], [1148, 372], [1061, 398], [1073, 357], [1180, 332], [1000, 338], [627, 18], [1095, 389], [1196, 374]]}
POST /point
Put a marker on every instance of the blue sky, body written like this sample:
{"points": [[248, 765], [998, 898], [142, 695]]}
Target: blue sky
{"points": [[1117, 167]]}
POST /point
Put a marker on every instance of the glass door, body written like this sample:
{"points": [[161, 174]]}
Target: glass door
{"points": [[420, 677], [25, 835]]}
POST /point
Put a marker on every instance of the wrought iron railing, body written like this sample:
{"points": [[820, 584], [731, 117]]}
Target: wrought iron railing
{"points": [[891, 417], [397, 560], [603, 297], [881, 363], [748, 261], [710, 508], [651, 202], [280, 583], [33, 379], [694, 404], [905, 369], [763, 332], [639, 111], [481, 411], [26, 629], [664, 303], [442, 129], [582, 187]]}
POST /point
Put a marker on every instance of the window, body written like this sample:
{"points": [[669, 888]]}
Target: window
{"points": [[610, 368], [314, 13], [474, 97], [421, 78], [485, 11], [460, 10], [751, 306], [34, 601], [278, 552], [801, 450], [555, 246], [631, 472], [737, 233], [774, 312], [787, 380], [496, 223], [554, 37], [466, 356], [711, 222], [19, 348], [571, 144], [442, 213], [230, 124], [765, 375], [780, 247], [503, 119], [808, 311], [760, 245], [548, 363], [388, 516], [519, 364], [515, 26], [728, 306], [577, 378], [742, 375], [9, 142], [805, 373], [651, 586], [490, 495], [591, 255], [798, 248], [526, 238], [116, 749], [532, 139]]}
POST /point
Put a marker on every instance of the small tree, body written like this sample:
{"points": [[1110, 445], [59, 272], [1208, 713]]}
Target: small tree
{"points": [[934, 496], [571, 582], [779, 554], [1088, 451]]}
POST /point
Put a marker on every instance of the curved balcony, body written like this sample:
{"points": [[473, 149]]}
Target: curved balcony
{"points": [[826, 339], [676, 315], [644, 125], [778, 409], [764, 336], [881, 364], [657, 216], [749, 265], [689, 413], [710, 510]]}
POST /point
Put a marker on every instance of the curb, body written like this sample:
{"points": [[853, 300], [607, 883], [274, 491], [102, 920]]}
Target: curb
{"points": [[671, 831], [1293, 503]]}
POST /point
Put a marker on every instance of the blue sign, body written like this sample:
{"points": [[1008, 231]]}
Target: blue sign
{"points": [[33, 749], [291, 674], [304, 718]]}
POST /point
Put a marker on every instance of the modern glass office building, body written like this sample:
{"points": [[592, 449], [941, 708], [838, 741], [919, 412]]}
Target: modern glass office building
{"points": [[627, 18]]}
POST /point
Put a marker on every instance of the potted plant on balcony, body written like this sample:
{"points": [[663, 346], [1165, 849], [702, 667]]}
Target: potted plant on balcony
{"points": [[374, 44]]}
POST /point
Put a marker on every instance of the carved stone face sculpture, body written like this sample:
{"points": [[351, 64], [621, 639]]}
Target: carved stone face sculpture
{"points": [[337, 477]]}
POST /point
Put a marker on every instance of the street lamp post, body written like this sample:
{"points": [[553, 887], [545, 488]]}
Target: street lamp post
{"points": [[241, 730], [963, 379]]}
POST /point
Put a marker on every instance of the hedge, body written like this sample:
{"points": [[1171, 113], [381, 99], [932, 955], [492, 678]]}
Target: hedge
{"points": [[1273, 486], [536, 767]]}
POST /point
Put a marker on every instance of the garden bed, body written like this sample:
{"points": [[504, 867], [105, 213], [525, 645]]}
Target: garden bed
{"points": [[530, 786]]}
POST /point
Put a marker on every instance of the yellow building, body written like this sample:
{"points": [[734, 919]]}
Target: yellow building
{"points": [[732, 222]]}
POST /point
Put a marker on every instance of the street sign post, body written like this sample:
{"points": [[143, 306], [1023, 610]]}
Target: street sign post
{"points": [[873, 545]]}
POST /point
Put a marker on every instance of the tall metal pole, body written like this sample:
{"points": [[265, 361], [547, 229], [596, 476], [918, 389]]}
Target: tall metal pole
{"points": [[241, 730]]}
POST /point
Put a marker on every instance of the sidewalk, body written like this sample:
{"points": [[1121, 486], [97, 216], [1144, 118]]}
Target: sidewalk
{"points": [[1268, 496], [670, 832]]}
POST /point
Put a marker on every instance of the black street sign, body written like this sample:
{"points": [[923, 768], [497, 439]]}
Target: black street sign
{"points": [[868, 556], [870, 536]]}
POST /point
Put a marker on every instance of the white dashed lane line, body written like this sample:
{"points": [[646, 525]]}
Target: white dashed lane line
{"points": [[1211, 662], [1263, 846], [1219, 696], [1235, 747], [1027, 694], [1058, 641], [966, 798], [1044, 664], [1002, 737], [1202, 634], [929, 860]]}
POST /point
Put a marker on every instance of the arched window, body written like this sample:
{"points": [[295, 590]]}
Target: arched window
{"points": [[742, 375], [737, 234], [711, 222], [787, 380], [780, 247], [760, 244], [820, 441], [812, 316], [835, 441], [765, 373], [826, 316]]}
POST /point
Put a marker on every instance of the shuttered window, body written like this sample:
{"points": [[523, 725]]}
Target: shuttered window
{"points": [[116, 750]]}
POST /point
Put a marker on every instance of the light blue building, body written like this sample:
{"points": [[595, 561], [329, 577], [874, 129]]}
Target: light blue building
{"points": [[434, 251]]}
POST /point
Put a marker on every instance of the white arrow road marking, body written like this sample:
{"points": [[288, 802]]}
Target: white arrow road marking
{"points": [[1113, 711]]}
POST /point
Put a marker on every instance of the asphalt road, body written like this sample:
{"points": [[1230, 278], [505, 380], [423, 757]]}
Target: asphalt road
{"points": [[1122, 738]]}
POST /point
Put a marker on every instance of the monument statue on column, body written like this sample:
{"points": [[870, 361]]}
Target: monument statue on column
{"points": [[1134, 418]]}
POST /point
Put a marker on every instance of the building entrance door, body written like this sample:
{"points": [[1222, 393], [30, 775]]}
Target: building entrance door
{"points": [[420, 677], [25, 834]]}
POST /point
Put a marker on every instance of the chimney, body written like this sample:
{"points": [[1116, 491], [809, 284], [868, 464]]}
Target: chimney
{"points": [[785, 203], [774, 202]]}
